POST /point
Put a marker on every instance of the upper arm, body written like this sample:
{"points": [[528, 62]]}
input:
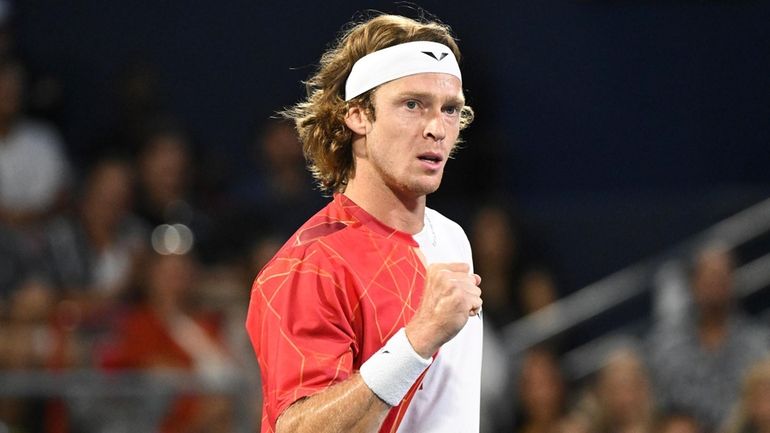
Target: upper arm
{"points": [[300, 325]]}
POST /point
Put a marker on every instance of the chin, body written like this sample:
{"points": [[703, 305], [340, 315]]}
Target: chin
{"points": [[424, 188]]}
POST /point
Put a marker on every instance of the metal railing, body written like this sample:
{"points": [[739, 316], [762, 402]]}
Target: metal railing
{"points": [[635, 280], [130, 400]]}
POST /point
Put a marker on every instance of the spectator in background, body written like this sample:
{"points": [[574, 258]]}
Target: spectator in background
{"points": [[503, 258], [92, 254], [697, 364], [537, 290], [542, 393], [25, 334], [166, 333], [517, 282], [34, 171], [166, 183], [26, 337], [279, 189], [752, 413], [165, 172], [621, 400], [496, 247]]}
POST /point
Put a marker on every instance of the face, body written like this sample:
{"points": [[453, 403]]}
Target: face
{"points": [[416, 127], [712, 280], [165, 166], [494, 240], [542, 388], [109, 194], [624, 388]]}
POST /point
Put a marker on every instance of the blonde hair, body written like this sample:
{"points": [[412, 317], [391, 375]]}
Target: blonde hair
{"points": [[320, 119]]}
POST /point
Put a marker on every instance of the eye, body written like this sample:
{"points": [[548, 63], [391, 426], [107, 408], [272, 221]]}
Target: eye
{"points": [[411, 104], [451, 110]]}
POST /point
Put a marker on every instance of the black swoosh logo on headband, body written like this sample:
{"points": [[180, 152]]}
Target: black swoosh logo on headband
{"points": [[433, 55]]}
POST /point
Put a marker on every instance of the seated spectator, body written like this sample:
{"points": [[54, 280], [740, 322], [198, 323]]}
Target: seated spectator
{"points": [[278, 189], [165, 334], [698, 362], [34, 171], [542, 393], [497, 249], [537, 290], [26, 337], [92, 254], [516, 280], [166, 175], [165, 170], [621, 400], [752, 413]]}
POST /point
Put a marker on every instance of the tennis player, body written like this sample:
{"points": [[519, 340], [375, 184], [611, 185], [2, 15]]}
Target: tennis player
{"points": [[368, 318]]}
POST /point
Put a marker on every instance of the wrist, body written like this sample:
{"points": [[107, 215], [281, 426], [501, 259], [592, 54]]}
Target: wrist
{"points": [[392, 371], [420, 340]]}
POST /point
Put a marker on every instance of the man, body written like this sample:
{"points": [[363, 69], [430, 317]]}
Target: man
{"points": [[698, 363], [367, 319], [34, 170]]}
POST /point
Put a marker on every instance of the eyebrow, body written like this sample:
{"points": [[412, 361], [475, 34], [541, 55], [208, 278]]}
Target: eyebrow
{"points": [[424, 95]]}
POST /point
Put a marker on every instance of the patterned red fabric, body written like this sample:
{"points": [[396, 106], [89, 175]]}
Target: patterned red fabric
{"points": [[341, 286]]}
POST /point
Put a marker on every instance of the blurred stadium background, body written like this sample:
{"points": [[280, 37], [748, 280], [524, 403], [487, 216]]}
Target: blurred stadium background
{"points": [[614, 142]]}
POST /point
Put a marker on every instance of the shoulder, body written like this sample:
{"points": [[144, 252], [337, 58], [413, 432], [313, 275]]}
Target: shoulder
{"points": [[316, 246], [41, 133], [439, 219], [447, 228]]}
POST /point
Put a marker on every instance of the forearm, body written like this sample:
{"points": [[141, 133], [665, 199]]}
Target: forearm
{"points": [[348, 406]]}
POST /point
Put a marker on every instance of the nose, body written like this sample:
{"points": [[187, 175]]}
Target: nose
{"points": [[435, 128]]}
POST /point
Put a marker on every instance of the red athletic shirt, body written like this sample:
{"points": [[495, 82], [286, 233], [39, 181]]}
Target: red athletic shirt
{"points": [[339, 288]]}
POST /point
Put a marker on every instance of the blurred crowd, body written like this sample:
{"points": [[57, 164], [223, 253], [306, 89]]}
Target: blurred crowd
{"points": [[129, 258], [702, 370]]}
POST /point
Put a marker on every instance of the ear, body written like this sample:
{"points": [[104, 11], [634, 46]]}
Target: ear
{"points": [[357, 120]]}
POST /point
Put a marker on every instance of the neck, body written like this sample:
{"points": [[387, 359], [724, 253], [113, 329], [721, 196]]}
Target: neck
{"points": [[398, 210], [712, 330], [716, 317]]}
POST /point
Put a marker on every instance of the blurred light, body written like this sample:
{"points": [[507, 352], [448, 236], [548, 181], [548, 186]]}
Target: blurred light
{"points": [[172, 239]]}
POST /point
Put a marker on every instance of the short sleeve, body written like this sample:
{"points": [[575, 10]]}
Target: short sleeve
{"points": [[300, 324]]}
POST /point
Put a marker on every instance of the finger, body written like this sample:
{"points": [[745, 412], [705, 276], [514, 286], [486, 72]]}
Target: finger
{"points": [[461, 277], [472, 290], [474, 311], [477, 304], [454, 267], [478, 278]]}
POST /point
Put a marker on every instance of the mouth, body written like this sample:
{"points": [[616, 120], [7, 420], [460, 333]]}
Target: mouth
{"points": [[431, 158]]}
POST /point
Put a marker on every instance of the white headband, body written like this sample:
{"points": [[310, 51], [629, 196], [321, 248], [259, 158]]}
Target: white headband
{"points": [[399, 61]]}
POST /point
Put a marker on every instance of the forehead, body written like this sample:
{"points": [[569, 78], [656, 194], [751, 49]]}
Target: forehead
{"points": [[434, 84]]}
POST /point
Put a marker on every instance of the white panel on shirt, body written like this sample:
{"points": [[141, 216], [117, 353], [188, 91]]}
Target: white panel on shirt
{"points": [[448, 401]]}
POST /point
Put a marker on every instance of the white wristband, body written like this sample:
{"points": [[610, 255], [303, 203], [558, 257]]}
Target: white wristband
{"points": [[392, 371]]}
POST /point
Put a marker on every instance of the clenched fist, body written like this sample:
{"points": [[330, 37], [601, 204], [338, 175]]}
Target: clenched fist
{"points": [[451, 295]]}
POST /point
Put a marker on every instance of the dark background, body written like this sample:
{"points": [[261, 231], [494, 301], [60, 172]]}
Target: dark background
{"points": [[614, 128]]}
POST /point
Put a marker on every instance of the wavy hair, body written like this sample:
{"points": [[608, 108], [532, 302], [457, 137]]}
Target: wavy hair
{"points": [[320, 118]]}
